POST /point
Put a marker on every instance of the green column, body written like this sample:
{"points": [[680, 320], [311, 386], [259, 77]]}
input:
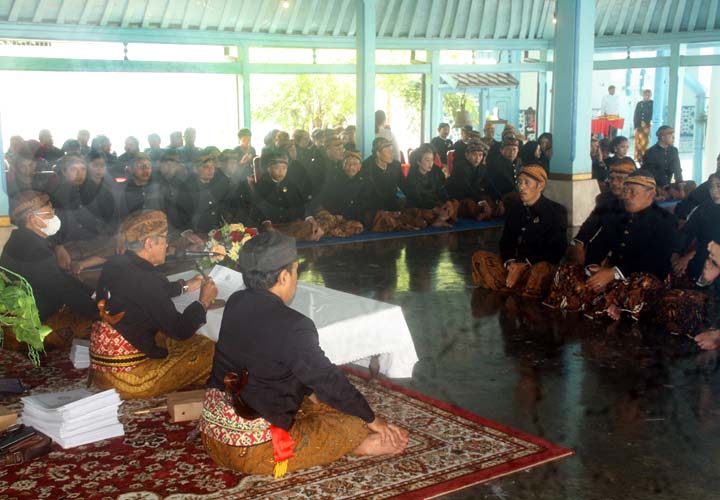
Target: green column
{"points": [[366, 42], [572, 87]]}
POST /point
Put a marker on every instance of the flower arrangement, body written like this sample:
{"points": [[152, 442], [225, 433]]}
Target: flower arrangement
{"points": [[226, 243]]}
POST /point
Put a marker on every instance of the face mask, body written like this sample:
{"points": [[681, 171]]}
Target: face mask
{"points": [[52, 226]]}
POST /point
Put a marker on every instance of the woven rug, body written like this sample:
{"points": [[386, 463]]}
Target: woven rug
{"points": [[449, 449]]}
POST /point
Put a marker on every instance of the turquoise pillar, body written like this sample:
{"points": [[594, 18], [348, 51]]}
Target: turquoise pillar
{"points": [[4, 202], [572, 88], [245, 60], [365, 86], [434, 96]]}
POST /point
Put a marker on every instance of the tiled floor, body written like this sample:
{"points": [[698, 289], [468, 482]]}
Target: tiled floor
{"points": [[641, 409]]}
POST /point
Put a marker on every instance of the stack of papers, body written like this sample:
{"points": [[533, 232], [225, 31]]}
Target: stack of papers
{"points": [[80, 354], [76, 417]]}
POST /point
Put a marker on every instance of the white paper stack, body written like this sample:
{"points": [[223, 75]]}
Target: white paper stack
{"points": [[80, 354], [76, 417]]}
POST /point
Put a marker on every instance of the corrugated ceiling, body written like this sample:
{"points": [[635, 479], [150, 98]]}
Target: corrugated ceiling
{"points": [[403, 19]]}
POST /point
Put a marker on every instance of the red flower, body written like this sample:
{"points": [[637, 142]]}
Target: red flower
{"points": [[235, 236], [217, 236], [250, 231]]}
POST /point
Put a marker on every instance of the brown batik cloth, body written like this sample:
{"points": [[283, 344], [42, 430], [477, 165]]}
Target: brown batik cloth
{"points": [[188, 362], [469, 209], [321, 434], [489, 272], [634, 295], [336, 226], [682, 312], [642, 139], [66, 325]]}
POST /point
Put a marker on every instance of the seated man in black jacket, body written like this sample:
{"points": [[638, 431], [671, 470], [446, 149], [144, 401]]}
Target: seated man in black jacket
{"points": [[626, 262], [606, 203], [297, 409], [532, 243], [143, 346], [64, 303], [279, 203], [469, 185]]}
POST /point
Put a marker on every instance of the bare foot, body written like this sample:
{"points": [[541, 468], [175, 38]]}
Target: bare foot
{"points": [[708, 340], [373, 445], [614, 312]]}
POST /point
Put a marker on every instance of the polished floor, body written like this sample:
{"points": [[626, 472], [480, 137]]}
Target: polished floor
{"points": [[640, 409]]}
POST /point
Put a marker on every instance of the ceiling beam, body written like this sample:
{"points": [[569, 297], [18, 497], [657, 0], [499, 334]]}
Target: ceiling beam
{"points": [[535, 18], [239, 20], [260, 15], [515, 18], [146, 16], [399, 19], [486, 18], [322, 29], [546, 12], [472, 18], [501, 19], [15, 11], [109, 6], [186, 14], [457, 22], [449, 7], [712, 13], [664, 16], [294, 16], [525, 19], [431, 17], [85, 12], [310, 17], [605, 18], [633, 19], [620, 23], [204, 17], [224, 15], [126, 14], [165, 22], [648, 17], [62, 13], [679, 14], [387, 17], [276, 18], [39, 11], [692, 23], [341, 17]]}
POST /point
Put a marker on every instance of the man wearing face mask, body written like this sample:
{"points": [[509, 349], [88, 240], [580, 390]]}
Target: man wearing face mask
{"points": [[29, 254]]}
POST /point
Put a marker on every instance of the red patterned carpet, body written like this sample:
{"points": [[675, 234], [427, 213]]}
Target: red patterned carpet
{"points": [[449, 449]]}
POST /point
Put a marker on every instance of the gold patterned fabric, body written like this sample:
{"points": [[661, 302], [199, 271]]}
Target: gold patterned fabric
{"points": [[321, 434], [489, 272], [220, 422], [642, 140], [188, 362]]}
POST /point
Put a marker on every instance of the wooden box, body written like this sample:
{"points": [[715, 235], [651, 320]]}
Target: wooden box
{"points": [[7, 418], [184, 406]]}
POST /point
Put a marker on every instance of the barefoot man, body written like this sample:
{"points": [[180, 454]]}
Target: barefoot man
{"points": [[298, 408]]}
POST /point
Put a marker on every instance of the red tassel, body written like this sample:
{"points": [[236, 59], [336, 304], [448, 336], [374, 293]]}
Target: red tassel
{"points": [[283, 446]]}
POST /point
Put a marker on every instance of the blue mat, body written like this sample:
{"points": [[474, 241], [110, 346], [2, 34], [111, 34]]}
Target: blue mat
{"points": [[461, 225]]}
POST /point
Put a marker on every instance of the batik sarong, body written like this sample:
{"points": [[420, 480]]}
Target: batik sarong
{"points": [[489, 272]]}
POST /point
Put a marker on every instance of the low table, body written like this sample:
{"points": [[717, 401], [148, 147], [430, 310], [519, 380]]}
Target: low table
{"points": [[351, 329]]}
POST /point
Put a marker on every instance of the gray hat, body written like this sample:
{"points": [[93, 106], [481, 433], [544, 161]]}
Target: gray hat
{"points": [[267, 252]]}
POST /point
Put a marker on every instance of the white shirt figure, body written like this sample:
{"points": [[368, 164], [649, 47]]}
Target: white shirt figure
{"points": [[610, 104]]}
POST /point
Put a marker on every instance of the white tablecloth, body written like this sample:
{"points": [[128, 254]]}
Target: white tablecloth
{"points": [[351, 328]]}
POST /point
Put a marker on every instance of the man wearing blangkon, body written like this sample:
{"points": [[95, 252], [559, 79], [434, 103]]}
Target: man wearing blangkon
{"points": [[299, 401]]}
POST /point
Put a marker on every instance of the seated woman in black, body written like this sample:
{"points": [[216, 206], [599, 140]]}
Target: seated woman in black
{"points": [[424, 188], [619, 147], [383, 175]]}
